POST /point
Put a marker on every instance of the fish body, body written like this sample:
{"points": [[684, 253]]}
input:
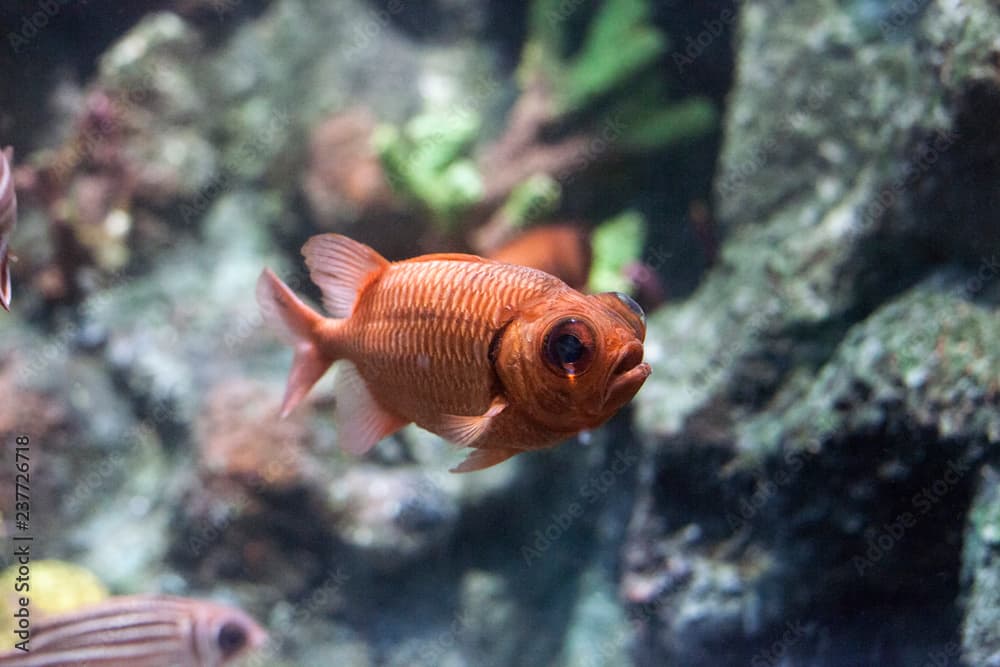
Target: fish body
{"points": [[489, 355], [8, 219], [140, 631]]}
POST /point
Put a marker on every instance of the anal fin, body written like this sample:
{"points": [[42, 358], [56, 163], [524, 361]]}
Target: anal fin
{"points": [[465, 430], [361, 421], [484, 458]]}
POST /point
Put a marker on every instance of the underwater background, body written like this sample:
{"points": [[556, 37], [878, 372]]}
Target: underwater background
{"points": [[803, 195]]}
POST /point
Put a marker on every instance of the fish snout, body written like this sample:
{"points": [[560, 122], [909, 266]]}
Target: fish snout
{"points": [[258, 637], [627, 375]]}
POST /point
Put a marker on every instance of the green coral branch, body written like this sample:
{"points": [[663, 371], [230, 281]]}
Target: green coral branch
{"points": [[616, 244], [427, 163], [532, 200], [651, 127], [620, 45], [612, 73]]}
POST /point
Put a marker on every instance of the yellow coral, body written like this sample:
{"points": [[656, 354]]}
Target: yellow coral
{"points": [[55, 587]]}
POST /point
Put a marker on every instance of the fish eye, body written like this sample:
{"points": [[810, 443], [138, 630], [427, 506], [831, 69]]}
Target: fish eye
{"points": [[568, 347], [232, 639], [631, 304]]}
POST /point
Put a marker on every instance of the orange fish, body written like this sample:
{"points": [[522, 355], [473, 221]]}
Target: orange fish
{"points": [[562, 250], [140, 631], [494, 356], [8, 218]]}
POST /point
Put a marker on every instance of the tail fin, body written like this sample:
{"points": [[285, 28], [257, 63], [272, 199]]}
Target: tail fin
{"points": [[296, 324]]}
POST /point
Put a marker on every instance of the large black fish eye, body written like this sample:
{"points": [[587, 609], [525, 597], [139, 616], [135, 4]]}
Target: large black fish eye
{"points": [[232, 638], [568, 347]]}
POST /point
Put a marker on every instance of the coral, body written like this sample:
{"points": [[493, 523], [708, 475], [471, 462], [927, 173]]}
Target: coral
{"points": [[612, 70], [427, 162], [618, 244], [391, 516], [576, 111], [239, 438], [344, 181]]}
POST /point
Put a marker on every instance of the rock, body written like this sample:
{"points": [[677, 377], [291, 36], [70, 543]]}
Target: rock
{"points": [[391, 516], [981, 574], [97, 474], [823, 397]]}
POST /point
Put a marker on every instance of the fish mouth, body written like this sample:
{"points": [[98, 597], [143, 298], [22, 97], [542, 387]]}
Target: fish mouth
{"points": [[258, 638], [627, 375]]}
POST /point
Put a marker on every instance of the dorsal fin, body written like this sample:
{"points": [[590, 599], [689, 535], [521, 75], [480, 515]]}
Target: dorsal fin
{"points": [[340, 267], [450, 257]]}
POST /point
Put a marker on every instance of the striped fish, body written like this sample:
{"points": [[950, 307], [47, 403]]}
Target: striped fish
{"points": [[8, 218], [140, 631]]}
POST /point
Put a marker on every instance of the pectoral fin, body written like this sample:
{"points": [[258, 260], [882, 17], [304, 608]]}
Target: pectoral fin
{"points": [[484, 458], [465, 430]]}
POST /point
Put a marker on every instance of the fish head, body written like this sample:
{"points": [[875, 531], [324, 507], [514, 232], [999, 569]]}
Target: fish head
{"points": [[225, 633], [574, 360]]}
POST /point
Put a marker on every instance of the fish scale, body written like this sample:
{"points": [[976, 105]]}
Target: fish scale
{"points": [[439, 312], [439, 316]]}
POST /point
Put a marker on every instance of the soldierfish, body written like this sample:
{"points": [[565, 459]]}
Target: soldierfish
{"points": [[8, 218], [494, 356], [140, 631], [562, 250]]}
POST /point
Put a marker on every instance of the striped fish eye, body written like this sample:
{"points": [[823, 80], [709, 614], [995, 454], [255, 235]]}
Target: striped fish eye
{"points": [[232, 638], [568, 347]]}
